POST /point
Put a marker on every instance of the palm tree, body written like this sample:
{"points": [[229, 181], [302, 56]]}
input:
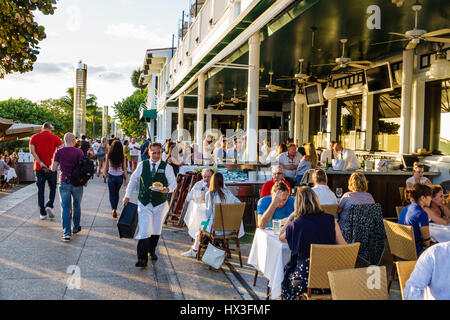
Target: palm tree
{"points": [[135, 78]]}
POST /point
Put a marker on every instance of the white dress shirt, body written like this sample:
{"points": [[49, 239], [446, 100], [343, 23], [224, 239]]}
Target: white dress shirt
{"points": [[350, 160], [327, 154], [325, 195], [135, 178]]}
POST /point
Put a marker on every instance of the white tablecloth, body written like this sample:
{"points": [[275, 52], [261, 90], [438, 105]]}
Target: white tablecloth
{"points": [[440, 233], [195, 215], [269, 255]]}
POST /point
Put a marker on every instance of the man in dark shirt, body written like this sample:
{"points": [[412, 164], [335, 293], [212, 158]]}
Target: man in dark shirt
{"points": [[85, 145]]}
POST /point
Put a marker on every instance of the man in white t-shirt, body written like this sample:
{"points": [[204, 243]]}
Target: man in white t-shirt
{"points": [[289, 162], [135, 148], [323, 192]]}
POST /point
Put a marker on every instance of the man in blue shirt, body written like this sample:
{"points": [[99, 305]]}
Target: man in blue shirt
{"points": [[144, 149], [414, 215], [278, 205]]}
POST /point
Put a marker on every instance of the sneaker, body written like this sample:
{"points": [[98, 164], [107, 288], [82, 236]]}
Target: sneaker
{"points": [[65, 238], [114, 214], [43, 217], [191, 253], [75, 231], [141, 263], [49, 212]]}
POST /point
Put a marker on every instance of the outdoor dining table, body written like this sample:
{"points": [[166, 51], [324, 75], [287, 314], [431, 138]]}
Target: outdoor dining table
{"points": [[196, 215], [440, 233], [269, 255]]}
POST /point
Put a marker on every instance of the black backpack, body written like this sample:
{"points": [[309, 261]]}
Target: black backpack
{"points": [[81, 173]]}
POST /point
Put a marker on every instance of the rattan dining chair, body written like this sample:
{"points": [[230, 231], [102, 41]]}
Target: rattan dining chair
{"points": [[330, 208], [324, 258], [232, 218], [398, 209], [256, 271], [404, 270], [359, 284], [401, 244]]}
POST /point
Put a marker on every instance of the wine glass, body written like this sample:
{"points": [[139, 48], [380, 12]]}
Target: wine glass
{"points": [[339, 192]]}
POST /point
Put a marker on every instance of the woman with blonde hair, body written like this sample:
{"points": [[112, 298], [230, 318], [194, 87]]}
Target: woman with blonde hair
{"points": [[307, 225], [357, 186], [101, 154], [309, 161]]}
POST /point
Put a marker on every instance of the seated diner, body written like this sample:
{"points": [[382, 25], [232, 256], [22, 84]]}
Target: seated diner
{"points": [[278, 205]]}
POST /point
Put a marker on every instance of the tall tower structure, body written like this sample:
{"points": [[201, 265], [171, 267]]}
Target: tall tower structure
{"points": [[79, 105], [105, 122]]}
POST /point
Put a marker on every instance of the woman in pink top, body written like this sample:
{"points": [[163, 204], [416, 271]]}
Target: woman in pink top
{"points": [[116, 171]]}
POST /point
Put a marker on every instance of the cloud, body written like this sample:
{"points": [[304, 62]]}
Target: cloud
{"points": [[111, 76], [51, 68], [140, 32]]}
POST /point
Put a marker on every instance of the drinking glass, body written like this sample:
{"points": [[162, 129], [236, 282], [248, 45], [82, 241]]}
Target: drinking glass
{"points": [[339, 192]]}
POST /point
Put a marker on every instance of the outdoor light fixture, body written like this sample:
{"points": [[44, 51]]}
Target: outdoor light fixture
{"points": [[329, 92], [299, 98], [440, 68]]}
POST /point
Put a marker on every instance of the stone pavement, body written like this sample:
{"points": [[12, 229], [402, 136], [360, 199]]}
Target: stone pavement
{"points": [[35, 264]]}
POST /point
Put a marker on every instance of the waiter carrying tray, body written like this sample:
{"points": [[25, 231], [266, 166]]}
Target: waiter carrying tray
{"points": [[155, 179]]}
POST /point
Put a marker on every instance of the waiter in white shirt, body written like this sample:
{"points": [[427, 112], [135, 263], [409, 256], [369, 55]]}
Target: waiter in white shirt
{"points": [[202, 185], [348, 156], [152, 205]]}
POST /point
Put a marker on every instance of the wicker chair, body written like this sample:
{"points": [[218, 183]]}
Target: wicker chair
{"points": [[356, 284], [330, 208], [324, 258], [232, 217], [401, 243], [256, 271], [398, 209], [404, 270]]}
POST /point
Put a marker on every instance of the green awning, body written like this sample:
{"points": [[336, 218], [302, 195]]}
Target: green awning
{"points": [[147, 115]]}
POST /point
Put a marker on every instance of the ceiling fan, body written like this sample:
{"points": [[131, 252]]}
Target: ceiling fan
{"points": [[235, 99], [344, 62], [300, 76], [221, 104], [274, 88], [415, 35]]}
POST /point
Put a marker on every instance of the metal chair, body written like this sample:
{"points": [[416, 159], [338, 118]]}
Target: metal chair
{"points": [[404, 270], [359, 284], [232, 214], [324, 258], [330, 208], [401, 244]]}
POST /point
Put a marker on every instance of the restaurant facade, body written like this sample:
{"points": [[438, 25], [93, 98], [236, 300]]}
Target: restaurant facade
{"points": [[373, 75]]}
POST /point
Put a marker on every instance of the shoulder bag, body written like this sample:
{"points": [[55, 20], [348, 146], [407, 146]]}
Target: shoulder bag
{"points": [[214, 256]]}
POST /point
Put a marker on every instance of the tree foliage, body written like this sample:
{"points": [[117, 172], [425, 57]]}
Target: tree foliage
{"points": [[20, 34], [135, 78], [29, 112], [127, 111]]}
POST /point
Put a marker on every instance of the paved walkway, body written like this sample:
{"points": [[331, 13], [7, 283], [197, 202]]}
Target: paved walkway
{"points": [[35, 264]]}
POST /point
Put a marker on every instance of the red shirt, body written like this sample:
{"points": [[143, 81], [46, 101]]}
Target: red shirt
{"points": [[267, 188], [45, 144]]}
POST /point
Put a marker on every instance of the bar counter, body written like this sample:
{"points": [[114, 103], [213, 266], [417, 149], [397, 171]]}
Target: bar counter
{"points": [[383, 185]]}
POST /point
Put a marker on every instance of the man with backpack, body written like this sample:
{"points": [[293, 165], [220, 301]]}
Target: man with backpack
{"points": [[68, 158]]}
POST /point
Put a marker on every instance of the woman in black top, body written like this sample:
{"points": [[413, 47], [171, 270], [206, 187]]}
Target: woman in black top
{"points": [[307, 225]]}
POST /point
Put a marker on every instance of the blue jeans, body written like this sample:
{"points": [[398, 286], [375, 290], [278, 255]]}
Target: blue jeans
{"points": [[42, 177], [70, 198], [114, 184]]}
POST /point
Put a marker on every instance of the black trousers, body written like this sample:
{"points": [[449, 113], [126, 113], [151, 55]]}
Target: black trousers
{"points": [[145, 246]]}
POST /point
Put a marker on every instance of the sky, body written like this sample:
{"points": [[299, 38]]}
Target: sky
{"points": [[110, 36]]}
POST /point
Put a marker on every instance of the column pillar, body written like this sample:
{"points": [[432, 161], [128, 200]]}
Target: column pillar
{"points": [[305, 120], [405, 113], [332, 119], [200, 112], [253, 98], [367, 118], [180, 117], [418, 114], [209, 118]]}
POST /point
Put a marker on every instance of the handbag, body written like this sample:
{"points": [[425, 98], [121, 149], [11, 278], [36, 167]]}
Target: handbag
{"points": [[213, 255]]}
